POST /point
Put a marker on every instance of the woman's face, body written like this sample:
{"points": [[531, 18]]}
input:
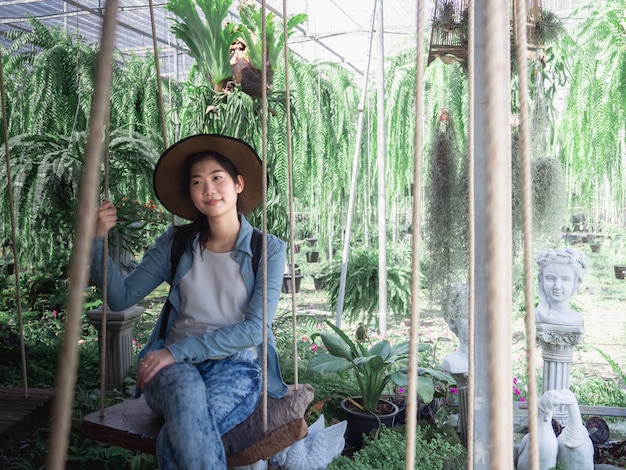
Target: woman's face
{"points": [[559, 283], [212, 189]]}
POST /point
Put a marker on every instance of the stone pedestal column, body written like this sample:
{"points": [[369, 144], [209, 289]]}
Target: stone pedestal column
{"points": [[119, 341], [557, 349]]}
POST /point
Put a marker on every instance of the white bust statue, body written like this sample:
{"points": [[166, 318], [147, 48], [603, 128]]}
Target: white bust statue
{"points": [[560, 272], [455, 309]]}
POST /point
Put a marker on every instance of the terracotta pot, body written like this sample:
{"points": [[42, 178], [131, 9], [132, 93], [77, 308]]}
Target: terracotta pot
{"points": [[360, 423]]}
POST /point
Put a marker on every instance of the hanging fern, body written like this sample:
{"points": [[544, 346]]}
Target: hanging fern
{"points": [[594, 119]]}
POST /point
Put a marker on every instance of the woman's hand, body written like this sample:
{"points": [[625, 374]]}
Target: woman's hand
{"points": [[152, 363], [106, 218]]}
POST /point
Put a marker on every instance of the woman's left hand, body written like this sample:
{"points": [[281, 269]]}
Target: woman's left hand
{"points": [[152, 363]]}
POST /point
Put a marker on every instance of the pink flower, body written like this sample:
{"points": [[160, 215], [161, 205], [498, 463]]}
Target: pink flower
{"points": [[453, 390]]}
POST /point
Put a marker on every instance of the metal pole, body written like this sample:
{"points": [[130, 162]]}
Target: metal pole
{"points": [[355, 172]]}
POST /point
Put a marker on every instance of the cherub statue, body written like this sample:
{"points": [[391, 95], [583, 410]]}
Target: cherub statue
{"points": [[560, 272]]}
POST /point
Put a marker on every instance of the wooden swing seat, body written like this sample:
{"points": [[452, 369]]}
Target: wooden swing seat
{"points": [[21, 416], [134, 426]]}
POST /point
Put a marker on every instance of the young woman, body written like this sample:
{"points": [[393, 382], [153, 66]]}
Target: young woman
{"points": [[200, 368]]}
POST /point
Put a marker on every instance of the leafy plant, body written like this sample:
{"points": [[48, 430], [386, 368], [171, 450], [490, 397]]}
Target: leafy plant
{"points": [[434, 450], [135, 221], [595, 112], [361, 289], [374, 367], [208, 42], [251, 32]]}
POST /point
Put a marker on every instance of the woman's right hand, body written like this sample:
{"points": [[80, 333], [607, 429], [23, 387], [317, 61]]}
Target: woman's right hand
{"points": [[106, 218]]}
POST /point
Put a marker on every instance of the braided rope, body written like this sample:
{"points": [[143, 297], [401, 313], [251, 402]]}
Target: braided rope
{"points": [[292, 217], [68, 358], [158, 75], [105, 282], [16, 271], [522, 67], [416, 232], [264, 153]]}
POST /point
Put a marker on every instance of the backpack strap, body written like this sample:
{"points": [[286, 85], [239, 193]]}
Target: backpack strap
{"points": [[256, 246], [178, 247]]}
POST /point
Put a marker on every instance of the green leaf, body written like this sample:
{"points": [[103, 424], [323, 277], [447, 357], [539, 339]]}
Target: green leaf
{"points": [[337, 346], [323, 362]]}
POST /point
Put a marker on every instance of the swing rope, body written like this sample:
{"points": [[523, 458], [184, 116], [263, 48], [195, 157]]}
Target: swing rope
{"points": [[105, 270], [264, 159], [290, 192], [415, 235], [16, 271], [521, 44], [158, 74], [66, 371]]}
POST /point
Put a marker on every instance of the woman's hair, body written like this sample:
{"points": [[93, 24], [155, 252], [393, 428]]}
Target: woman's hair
{"points": [[201, 224]]}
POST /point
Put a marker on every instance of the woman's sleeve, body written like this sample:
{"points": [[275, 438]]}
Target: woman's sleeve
{"points": [[149, 274]]}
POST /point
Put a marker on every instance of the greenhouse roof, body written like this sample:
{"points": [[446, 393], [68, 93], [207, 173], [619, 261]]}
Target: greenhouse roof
{"points": [[336, 30]]}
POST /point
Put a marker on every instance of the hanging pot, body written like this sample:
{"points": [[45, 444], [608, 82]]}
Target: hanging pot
{"points": [[286, 288], [360, 422]]}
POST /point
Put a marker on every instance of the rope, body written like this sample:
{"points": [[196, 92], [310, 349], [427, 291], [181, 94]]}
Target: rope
{"points": [[105, 282], [158, 75], [415, 235], [16, 271], [469, 422], [264, 152], [498, 210], [290, 190], [66, 373], [521, 44]]}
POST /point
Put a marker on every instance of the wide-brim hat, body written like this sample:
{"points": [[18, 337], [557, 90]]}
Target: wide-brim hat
{"points": [[168, 174]]}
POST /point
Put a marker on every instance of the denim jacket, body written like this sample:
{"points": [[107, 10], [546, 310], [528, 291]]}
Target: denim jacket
{"points": [[154, 269]]}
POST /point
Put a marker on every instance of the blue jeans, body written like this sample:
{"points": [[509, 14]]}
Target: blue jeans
{"points": [[200, 403]]}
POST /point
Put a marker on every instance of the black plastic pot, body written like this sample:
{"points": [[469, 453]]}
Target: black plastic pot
{"points": [[360, 423], [286, 288]]}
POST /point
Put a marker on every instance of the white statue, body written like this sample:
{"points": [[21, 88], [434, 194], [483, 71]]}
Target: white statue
{"points": [[547, 442], [572, 450], [560, 272], [314, 452], [320, 446], [575, 445], [455, 309]]}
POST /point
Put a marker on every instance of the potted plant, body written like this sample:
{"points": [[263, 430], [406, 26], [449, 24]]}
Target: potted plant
{"points": [[374, 369]]}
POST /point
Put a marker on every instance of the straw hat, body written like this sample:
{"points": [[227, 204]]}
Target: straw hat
{"points": [[168, 174]]}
